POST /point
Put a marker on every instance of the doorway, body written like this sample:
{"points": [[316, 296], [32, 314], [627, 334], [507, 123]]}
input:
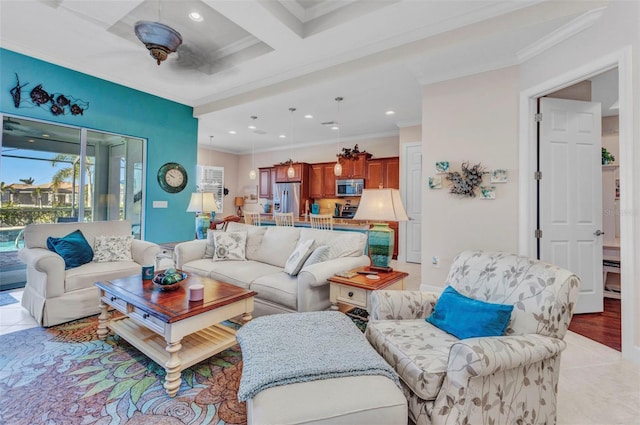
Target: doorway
{"points": [[527, 184], [411, 231]]}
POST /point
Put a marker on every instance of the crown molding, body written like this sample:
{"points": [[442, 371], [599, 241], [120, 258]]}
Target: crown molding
{"points": [[405, 124], [563, 33], [303, 145]]}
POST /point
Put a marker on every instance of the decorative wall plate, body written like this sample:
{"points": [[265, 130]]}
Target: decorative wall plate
{"points": [[435, 182], [442, 166], [499, 176], [487, 192], [172, 177]]}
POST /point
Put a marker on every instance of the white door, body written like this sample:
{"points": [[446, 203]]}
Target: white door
{"points": [[570, 199], [413, 202]]}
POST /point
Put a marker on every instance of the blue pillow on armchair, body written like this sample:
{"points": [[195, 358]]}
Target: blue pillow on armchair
{"points": [[73, 248], [464, 317]]}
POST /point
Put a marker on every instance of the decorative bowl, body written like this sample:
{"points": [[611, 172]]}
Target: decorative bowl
{"points": [[157, 281]]}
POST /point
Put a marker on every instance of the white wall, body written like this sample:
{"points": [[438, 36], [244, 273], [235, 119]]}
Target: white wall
{"points": [[410, 134], [471, 119], [616, 30]]}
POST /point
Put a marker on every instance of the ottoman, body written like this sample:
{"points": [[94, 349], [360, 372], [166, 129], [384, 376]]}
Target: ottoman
{"points": [[315, 368]]}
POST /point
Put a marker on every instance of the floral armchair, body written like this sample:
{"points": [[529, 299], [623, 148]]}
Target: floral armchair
{"points": [[486, 380]]}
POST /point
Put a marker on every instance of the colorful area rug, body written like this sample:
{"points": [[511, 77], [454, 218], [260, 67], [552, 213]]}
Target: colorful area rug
{"points": [[6, 299], [66, 375]]}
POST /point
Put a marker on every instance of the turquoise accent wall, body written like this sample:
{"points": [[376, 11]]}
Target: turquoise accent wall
{"points": [[170, 129]]}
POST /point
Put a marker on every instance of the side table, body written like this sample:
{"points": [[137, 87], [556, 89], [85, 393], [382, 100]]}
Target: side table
{"points": [[166, 259], [356, 291]]}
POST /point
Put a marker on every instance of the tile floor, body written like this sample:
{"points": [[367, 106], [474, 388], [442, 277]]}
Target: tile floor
{"points": [[596, 385]]}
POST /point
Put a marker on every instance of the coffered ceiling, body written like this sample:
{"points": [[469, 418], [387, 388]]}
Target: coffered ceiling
{"points": [[261, 57]]}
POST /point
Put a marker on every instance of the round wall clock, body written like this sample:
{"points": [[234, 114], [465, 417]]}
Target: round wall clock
{"points": [[172, 177]]}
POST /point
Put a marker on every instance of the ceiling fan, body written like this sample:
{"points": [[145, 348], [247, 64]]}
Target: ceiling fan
{"points": [[160, 39]]}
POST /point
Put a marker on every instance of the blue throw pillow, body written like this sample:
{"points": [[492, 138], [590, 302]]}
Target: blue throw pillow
{"points": [[73, 248], [464, 317]]}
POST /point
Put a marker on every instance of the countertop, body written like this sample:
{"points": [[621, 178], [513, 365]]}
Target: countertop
{"points": [[338, 223]]}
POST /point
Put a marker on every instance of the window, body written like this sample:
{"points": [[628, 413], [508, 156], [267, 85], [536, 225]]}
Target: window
{"points": [[211, 179]]}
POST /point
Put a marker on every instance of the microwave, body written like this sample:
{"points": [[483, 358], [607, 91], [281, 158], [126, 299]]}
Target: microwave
{"points": [[352, 187]]}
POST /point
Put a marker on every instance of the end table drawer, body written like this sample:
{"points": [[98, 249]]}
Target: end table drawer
{"points": [[353, 296]]}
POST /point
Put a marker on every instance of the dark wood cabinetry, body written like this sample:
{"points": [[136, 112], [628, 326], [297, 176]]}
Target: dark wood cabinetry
{"points": [[354, 168], [394, 225], [383, 171], [322, 181], [298, 167], [267, 179]]}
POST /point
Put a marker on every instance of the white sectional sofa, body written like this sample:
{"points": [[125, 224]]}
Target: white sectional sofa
{"points": [[263, 271], [54, 295]]}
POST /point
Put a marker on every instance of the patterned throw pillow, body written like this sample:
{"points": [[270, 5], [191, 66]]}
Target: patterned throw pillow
{"points": [[112, 248], [73, 248], [211, 243], [230, 246], [319, 255], [298, 257]]}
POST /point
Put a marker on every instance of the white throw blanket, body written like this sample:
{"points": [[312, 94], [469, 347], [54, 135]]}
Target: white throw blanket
{"points": [[283, 349]]}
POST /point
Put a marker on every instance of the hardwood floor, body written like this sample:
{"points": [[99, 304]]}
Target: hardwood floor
{"points": [[604, 327]]}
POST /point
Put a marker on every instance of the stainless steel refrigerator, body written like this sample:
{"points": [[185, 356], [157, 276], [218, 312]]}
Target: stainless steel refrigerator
{"points": [[286, 198]]}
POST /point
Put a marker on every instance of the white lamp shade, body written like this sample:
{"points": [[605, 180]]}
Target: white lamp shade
{"points": [[202, 202], [380, 205]]}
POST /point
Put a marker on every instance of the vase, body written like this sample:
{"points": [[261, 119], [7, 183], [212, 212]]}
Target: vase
{"points": [[381, 245]]}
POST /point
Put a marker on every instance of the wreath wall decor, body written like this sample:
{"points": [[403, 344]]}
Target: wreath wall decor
{"points": [[464, 184]]}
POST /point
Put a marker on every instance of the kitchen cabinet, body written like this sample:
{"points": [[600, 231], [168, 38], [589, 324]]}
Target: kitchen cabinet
{"points": [[394, 225], [383, 171], [354, 168], [298, 167], [322, 182], [392, 173], [267, 179]]}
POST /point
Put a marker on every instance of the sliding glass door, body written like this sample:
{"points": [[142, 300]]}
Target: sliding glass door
{"points": [[51, 173]]}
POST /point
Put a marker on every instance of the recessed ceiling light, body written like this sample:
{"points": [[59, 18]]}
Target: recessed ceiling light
{"points": [[232, 132], [390, 112], [308, 116], [45, 135], [335, 127], [195, 16], [30, 140], [283, 136], [252, 127]]}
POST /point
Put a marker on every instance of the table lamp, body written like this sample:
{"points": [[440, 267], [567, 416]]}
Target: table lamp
{"points": [[239, 202], [379, 205], [201, 203]]}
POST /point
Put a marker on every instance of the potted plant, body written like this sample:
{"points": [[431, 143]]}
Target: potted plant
{"points": [[607, 158]]}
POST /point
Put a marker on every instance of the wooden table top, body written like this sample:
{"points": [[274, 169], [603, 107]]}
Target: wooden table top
{"points": [[172, 306], [361, 281]]}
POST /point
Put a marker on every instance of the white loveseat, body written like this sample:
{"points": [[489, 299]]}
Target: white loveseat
{"points": [[267, 250], [54, 295]]}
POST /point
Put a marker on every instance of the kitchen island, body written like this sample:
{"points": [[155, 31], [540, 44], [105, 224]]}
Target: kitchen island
{"points": [[338, 223]]}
